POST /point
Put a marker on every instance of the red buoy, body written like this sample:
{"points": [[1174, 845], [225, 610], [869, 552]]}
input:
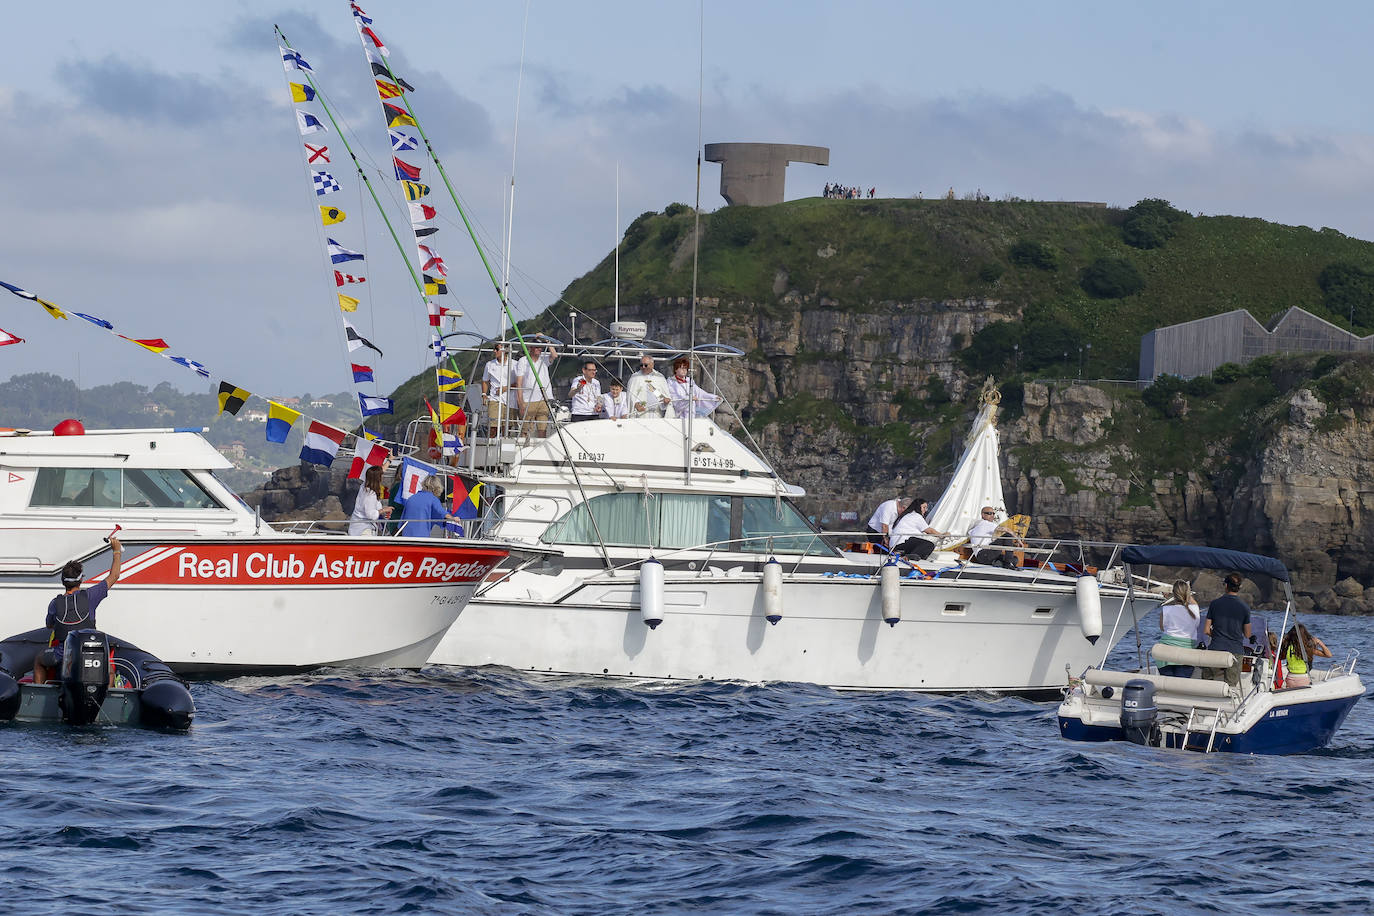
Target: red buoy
{"points": [[69, 427]]}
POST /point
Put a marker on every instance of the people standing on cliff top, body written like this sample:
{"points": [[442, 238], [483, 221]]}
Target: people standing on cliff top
{"points": [[648, 390], [880, 525], [687, 394]]}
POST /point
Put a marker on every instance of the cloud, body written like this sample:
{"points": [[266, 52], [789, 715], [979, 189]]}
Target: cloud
{"points": [[141, 93]]}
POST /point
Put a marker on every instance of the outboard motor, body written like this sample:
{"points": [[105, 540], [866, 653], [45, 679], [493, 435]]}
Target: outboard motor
{"points": [[1138, 712], [85, 676]]}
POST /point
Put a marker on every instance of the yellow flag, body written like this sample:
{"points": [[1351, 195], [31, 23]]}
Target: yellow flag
{"points": [[331, 215], [446, 411], [52, 309], [301, 93], [450, 379], [348, 303]]}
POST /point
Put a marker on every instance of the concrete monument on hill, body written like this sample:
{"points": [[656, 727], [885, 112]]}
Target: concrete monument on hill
{"points": [[752, 174]]}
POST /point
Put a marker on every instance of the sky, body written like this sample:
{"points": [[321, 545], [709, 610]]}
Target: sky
{"points": [[153, 173]]}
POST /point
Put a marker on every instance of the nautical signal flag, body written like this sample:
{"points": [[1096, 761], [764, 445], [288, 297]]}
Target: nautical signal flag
{"points": [[155, 344], [98, 322], [404, 170], [361, 374], [372, 405], [356, 340], [420, 213], [25, 294], [315, 154], [308, 123], [413, 474], [280, 419], [450, 379], [231, 398], [467, 498], [6, 338], [423, 231], [302, 93], [401, 142], [414, 190], [381, 69], [338, 254], [359, 15], [439, 348], [340, 278], [372, 36], [435, 286], [387, 90], [451, 415], [292, 60], [324, 183], [430, 260], [348, 303], [322, 443], [433, 313], [332, 215], [396, 115], [197, 367], [366, 454]]}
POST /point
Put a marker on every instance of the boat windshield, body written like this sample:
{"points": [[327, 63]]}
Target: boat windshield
{"points": [[120, 488], [753, 524]]}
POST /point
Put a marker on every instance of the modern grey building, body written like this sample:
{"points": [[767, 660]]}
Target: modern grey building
{"points": [[1197, 347]]}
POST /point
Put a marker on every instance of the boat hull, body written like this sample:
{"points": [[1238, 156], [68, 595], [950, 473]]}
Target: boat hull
{"points": [[277, 604], [951, 638]]}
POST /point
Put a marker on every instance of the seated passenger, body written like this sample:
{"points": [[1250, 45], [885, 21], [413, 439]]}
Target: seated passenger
{"points": [[1179, 618], [987, 534], [909, 529], [1298, 650], [74, 609]]}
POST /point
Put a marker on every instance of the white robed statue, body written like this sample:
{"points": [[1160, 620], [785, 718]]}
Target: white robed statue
{"points": [[687, 396]]}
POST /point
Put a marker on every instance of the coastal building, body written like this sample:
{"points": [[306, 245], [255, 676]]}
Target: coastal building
{"points": [[1197, 347]]}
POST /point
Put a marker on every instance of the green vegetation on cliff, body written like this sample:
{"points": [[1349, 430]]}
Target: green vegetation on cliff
{"points": [[1077, 275]]}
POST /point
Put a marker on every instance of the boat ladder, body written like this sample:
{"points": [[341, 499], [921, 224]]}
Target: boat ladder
{"points": [[1211, 734]]}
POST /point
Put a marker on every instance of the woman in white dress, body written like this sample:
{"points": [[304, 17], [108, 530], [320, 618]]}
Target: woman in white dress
{"points": [[368, 509]]}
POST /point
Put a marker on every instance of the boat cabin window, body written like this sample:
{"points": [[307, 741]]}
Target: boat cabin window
{"points": [[683, 520], [115, 488]]}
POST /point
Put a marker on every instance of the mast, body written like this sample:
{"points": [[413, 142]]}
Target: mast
{"points": [[696, 241]]}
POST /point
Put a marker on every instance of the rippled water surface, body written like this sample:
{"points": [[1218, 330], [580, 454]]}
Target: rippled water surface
{"points": [[456, 790]]}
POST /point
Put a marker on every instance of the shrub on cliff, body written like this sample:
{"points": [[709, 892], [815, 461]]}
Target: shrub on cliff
{"points": [[1028, 253], [1111, 278], [1348, 291], [1150, 223]]}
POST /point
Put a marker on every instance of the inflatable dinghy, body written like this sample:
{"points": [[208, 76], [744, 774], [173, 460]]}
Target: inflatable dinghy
{"points": [[146, 691]]}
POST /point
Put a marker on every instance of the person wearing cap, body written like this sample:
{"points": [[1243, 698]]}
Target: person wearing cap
{"points": [[648, 390], [74, 609], [532, 391], [585, 394], [686, 394]]}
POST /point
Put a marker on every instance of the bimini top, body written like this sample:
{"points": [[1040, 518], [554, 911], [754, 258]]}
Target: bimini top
{"points": [[1204, 558]]}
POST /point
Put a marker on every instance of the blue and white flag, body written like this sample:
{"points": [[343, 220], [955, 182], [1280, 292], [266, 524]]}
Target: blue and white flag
{"points": [[308, 123], [372, 404], [400, 142], [339, 254], [440, 350], [292, 60], [324, 183], [94, 320], [453, 444], [198, 368], [413, 474]]}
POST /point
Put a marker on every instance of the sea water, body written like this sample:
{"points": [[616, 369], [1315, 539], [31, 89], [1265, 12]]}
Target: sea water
{"points": [[492, 791]]}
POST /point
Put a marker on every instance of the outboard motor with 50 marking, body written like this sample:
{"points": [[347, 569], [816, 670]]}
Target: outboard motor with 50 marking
{"points": [[85, 676], [1139, 713]]}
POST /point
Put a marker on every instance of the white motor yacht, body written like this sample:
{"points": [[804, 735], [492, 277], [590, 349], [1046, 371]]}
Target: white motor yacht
{"points": [[205, 585], [683, 556]]}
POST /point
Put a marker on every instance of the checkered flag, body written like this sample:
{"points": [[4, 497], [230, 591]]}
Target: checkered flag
{"points": [[324, 183]]}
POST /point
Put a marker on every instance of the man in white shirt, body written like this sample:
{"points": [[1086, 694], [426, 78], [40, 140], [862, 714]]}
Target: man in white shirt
{"points": [[532, 390], [496, 390], [648, 390], [585, 394], [983, 533], [616, 405], [880, 525]]}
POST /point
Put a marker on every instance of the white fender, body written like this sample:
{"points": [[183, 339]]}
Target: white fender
{"points": [[1089, 607], [651, 592], [772, 591], [890, 582]]}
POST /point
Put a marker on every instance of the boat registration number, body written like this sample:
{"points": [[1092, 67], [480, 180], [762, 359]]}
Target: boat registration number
{"points": [[711, 461], [591, 456]]}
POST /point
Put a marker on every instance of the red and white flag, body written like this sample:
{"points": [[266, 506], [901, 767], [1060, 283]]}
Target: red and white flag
{"points": [[7, 338], [420, 213], [431, 260], [365, 455], [340, 278]]}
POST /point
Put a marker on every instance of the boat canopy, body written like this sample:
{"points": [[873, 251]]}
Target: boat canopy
{"points": [[1204, 558]]}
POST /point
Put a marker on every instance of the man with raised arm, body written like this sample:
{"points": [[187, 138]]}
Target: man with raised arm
{"points": [[74, 609]]}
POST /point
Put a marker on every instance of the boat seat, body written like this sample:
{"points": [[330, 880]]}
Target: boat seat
{"points": [[1181, 686], [1196, 658]]}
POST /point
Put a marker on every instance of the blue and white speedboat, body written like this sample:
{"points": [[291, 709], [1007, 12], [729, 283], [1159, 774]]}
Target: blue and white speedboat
{"points": [[1201, 714]]}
